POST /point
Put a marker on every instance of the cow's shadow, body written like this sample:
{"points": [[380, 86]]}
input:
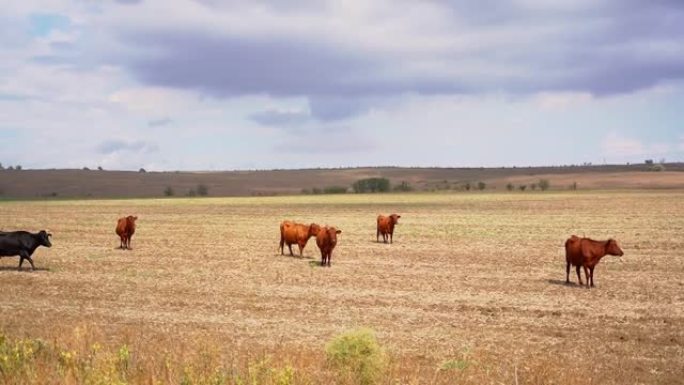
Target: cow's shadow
{"points": [[295, 256], [23, 269], [561, 282]]}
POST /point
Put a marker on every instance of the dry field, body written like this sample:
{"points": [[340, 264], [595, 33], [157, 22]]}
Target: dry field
{"points": [[474, 278]]}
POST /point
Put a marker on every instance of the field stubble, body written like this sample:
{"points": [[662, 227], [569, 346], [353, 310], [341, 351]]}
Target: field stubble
{"points": [[481, 273]]}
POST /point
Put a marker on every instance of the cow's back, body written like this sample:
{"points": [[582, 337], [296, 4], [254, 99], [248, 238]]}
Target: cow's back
{"points": [[383, 223], [121, 227], [573, 250]]}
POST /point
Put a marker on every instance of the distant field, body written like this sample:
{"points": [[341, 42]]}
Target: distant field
{"points": [[477, 278], [126, 184]]}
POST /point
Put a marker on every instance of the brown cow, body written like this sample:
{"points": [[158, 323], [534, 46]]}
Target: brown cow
{"points": [[587, 253], [291, 233], [386, 227], [125, 228], [326, 239]]}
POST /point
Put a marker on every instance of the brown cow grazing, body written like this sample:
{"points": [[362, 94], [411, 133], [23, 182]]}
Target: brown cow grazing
{"points": [[291, 233], [125, 228], [326, 239], [386, 227], [587, 253]]}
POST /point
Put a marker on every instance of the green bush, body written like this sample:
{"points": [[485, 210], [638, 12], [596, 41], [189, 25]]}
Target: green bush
{"points": [[481, 186], [335, 190], [168, 191], [371, 185], [544, 184], [357, 357], [522, 187], [510, 187]]}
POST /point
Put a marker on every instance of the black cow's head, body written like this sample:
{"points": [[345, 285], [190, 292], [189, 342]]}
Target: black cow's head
{"points": [[44, 238]]}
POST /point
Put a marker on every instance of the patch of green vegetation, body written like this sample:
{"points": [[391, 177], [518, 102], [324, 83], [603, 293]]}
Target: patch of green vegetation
{"points": [[357, 357]]}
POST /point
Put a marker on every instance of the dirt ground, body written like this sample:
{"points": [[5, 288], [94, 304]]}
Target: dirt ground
{"points": [[467, 271]]}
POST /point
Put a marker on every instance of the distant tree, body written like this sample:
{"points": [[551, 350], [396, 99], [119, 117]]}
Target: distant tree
{"points": [[481, 185], [99, 168], [202, 190], [658, 167], [522, 187], [10, 168], [510, 186], [371, 185], [142, 170], [533, 186], [335, 190], [403, 186], [649, 161], [467, 186], [316, 191], [18, 167], [86, 168], [544, 184], [168, 191]]}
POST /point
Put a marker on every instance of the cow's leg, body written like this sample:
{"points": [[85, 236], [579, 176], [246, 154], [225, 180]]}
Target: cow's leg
{"points": [[329, 257], [21, 262], [33, 267], [322, 258], [579, 276], [391, 234], [289, 245], [377, 236], [591, 271], [567, 272], [282, 245], [121, 242], [301, 250], [586, 274], [128, 243]]}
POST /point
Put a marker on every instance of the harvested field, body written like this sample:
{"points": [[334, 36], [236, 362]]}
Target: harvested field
{"points": [[480, 273]]}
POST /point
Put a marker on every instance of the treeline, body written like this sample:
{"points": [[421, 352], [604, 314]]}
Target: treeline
{"points": [[362, 186]]}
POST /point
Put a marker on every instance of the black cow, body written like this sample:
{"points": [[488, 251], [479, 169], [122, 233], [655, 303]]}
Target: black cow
{"points": [[23, 244]]}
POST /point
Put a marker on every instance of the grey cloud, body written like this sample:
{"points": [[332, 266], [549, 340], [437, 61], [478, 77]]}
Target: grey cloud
{"points": [[160, 122], [280, 118], [115, 146], [608, 48]]}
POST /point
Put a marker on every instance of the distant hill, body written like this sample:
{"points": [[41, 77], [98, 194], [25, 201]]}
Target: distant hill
{"points": [[129, 184]]}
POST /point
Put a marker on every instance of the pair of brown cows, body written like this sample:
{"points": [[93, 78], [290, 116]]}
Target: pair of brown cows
{"points": [[386, 227], [587, 253], [125, 228], [297, 233]]}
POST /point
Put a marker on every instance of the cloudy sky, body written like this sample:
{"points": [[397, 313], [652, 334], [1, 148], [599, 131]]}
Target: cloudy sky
{"points": [[230, 84]]}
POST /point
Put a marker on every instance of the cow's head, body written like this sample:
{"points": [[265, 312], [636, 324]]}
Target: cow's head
{"points": [[612, 248], [395, 218], [44, 238], [332, 234], [314, 229], [131, 219]]}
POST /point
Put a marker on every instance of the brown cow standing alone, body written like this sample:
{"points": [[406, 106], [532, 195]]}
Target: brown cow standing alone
{"points": [[587, 253], [291, 233], [386, 227], [326, 239], [125, 228]]}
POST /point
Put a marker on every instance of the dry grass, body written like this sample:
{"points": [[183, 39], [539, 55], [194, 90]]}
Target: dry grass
{"points": [[471, 291]]}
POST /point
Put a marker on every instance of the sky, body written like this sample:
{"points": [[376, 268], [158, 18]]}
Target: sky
{"points": [[262, 84]]}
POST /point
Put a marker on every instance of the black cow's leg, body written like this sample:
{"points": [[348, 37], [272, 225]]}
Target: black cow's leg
{"points": [[33, 267], [21, 262], [567, 272]]}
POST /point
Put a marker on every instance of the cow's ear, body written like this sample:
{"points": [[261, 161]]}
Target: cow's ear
{"points": [[339, 231]]}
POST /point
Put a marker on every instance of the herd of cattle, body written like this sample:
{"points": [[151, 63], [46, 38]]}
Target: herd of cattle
{"points": [[579, 252]]}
